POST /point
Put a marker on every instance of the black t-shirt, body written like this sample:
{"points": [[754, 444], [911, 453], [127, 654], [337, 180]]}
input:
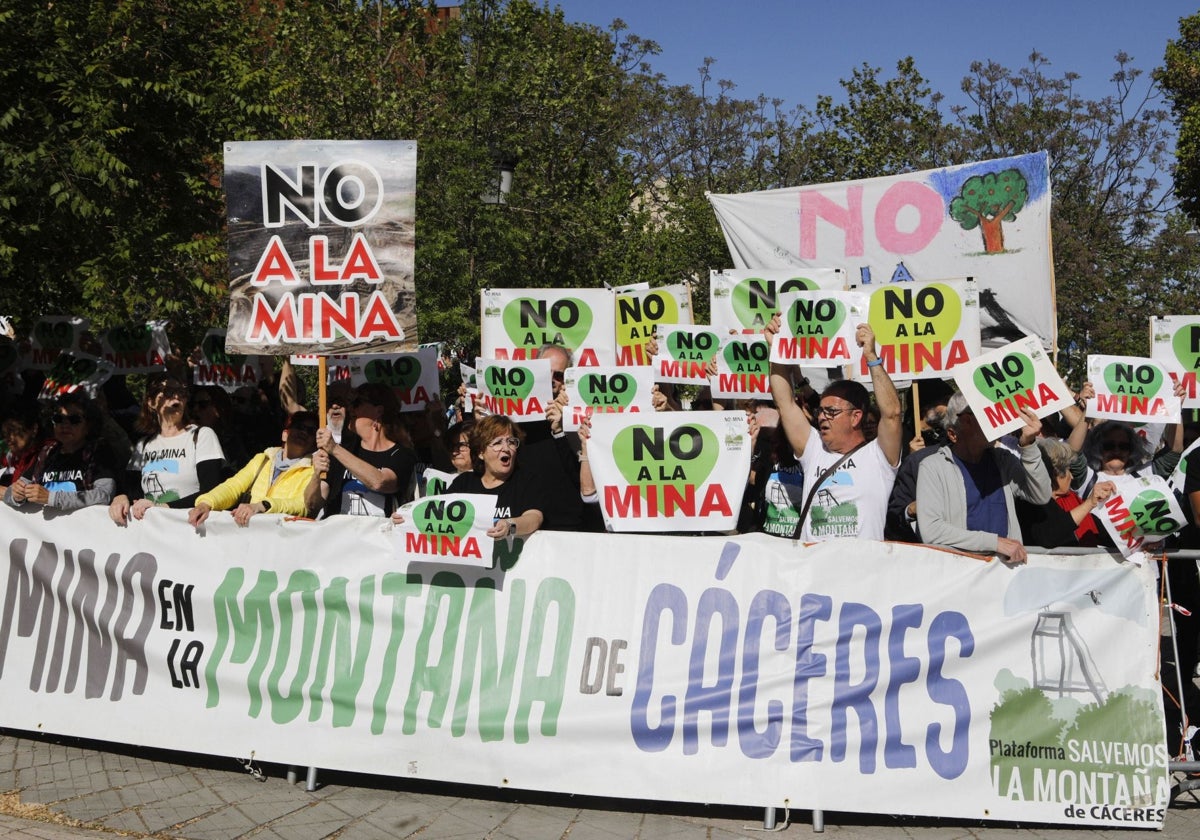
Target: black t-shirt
{"points": [[522, 492], [350, 496], [76, 471]]}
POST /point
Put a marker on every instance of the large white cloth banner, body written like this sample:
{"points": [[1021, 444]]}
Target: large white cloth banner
{"points": [[744, 670], [988, 220]]}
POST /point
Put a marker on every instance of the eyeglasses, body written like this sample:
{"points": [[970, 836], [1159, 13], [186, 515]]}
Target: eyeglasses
{"points": [[1115, 446], [558, 376], [500, 443], [65, 419], [462, 444], [831, 412]]}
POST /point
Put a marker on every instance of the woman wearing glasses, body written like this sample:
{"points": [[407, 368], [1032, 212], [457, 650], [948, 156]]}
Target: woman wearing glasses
{"points": [[73, 470], [520, 499], [174, 463], [365, 473]]}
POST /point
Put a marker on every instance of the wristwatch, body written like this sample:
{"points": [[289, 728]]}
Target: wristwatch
{"points": [[266, 506]]}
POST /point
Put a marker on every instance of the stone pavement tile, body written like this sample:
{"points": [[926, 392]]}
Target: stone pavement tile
{"points": [[542, 822]]}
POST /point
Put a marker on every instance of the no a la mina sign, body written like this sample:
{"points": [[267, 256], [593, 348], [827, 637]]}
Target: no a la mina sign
{"points": [[743, 300], [817, 328], [1131, 388], [517, 323], [1175, 341], [923, 330], [606, 390], [1000, 383]]}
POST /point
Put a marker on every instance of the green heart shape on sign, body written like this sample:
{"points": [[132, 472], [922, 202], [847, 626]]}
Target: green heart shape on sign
{"points": [[900, 314], [692, 347], [751, 357], [68, 370], [816, 317], [1152, 513], [1011, 375], [638, 317], [532, 323], [403, 373], [515, 382], [1186, 345], [646, 455], [54, 335], [1133, 379], [435, 487], [443, 517], [755, 300], [213, 348], [131, 338], [617, 390]]}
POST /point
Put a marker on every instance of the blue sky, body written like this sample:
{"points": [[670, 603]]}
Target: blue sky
{"points": [[797, 49]]}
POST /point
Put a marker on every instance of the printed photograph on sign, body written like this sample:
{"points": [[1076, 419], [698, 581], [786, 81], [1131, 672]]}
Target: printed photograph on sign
{"points": [[743, 301], [743, 369], [999, 383], [522, 390], [449, 528], [640, 311], [1131, 388], [670, 471], [816, 329], [684, 353], [229, 371], [136, 348], [922, 330], [320, 241], [605, 390], [987, 219], [516, 323], [1175, 342]]}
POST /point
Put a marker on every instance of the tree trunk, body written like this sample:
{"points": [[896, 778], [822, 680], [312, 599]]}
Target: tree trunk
{"points": [[993, 234]]}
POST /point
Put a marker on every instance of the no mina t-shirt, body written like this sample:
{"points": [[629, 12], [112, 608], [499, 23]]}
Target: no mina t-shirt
{"points": [[168, 464]]}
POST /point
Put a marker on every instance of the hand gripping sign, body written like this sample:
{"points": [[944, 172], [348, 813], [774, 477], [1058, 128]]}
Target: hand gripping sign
{"points": [[1000, 383], [670, 471], [1133, 389], [1175, 342], [743, 300], [1142, 511], [448, 529], [605, 390]]}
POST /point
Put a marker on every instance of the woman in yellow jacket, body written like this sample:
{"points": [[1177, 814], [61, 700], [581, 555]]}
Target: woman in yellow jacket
{"points": [[274, 479]]}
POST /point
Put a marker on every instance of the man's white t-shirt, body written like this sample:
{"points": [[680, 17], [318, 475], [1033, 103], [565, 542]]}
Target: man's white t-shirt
{"points": [[853, 501]]}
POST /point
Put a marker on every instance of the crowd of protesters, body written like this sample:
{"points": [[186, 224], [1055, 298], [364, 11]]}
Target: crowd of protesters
{"points": [[262, 450]]}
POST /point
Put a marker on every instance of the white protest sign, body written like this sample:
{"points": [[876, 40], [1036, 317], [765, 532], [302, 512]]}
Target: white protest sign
{"points": [[999, 383], [75, 370], [640, 311], [605, 390], [670, 471], [922, 330], [816, 329], [743, 368], [413, 377], [1131, 388], [516, 323], [522, 390], [684, 352], [1175, 342], [1142, 510], [744, 300], [136, 348], [321, 246], [51, 335], [230, 371], [450, 528], [434, 482]]}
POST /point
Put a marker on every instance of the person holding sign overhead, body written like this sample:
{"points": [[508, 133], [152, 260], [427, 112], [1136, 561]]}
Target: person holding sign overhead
{"points": [[847, 480]]}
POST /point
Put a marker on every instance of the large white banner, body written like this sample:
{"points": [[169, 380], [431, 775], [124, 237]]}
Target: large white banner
{"points": [[988, 220], [743, 670]]}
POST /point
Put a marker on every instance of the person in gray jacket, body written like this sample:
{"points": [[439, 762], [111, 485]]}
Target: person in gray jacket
{"points": [[965, 491]]}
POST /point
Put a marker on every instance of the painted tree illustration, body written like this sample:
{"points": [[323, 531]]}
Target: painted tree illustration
{"points": [[986, 201]]}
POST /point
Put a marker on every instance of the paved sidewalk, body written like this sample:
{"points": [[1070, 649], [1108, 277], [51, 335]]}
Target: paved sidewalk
{"points": [[65, 788]]}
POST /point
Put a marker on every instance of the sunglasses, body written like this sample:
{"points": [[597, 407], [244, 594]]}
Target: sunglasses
{"points": [[68, 419], [1115, 446]]}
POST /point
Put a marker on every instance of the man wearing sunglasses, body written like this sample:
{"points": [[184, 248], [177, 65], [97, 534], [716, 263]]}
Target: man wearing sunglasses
{"points": [[847, 479]]}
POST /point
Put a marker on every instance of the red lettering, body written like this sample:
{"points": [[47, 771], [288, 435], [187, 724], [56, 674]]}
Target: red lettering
{"points": [[274, 264]]}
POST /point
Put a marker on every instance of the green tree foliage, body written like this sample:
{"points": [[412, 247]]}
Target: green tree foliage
{"points": [[986, 201], [1180, 79]]}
